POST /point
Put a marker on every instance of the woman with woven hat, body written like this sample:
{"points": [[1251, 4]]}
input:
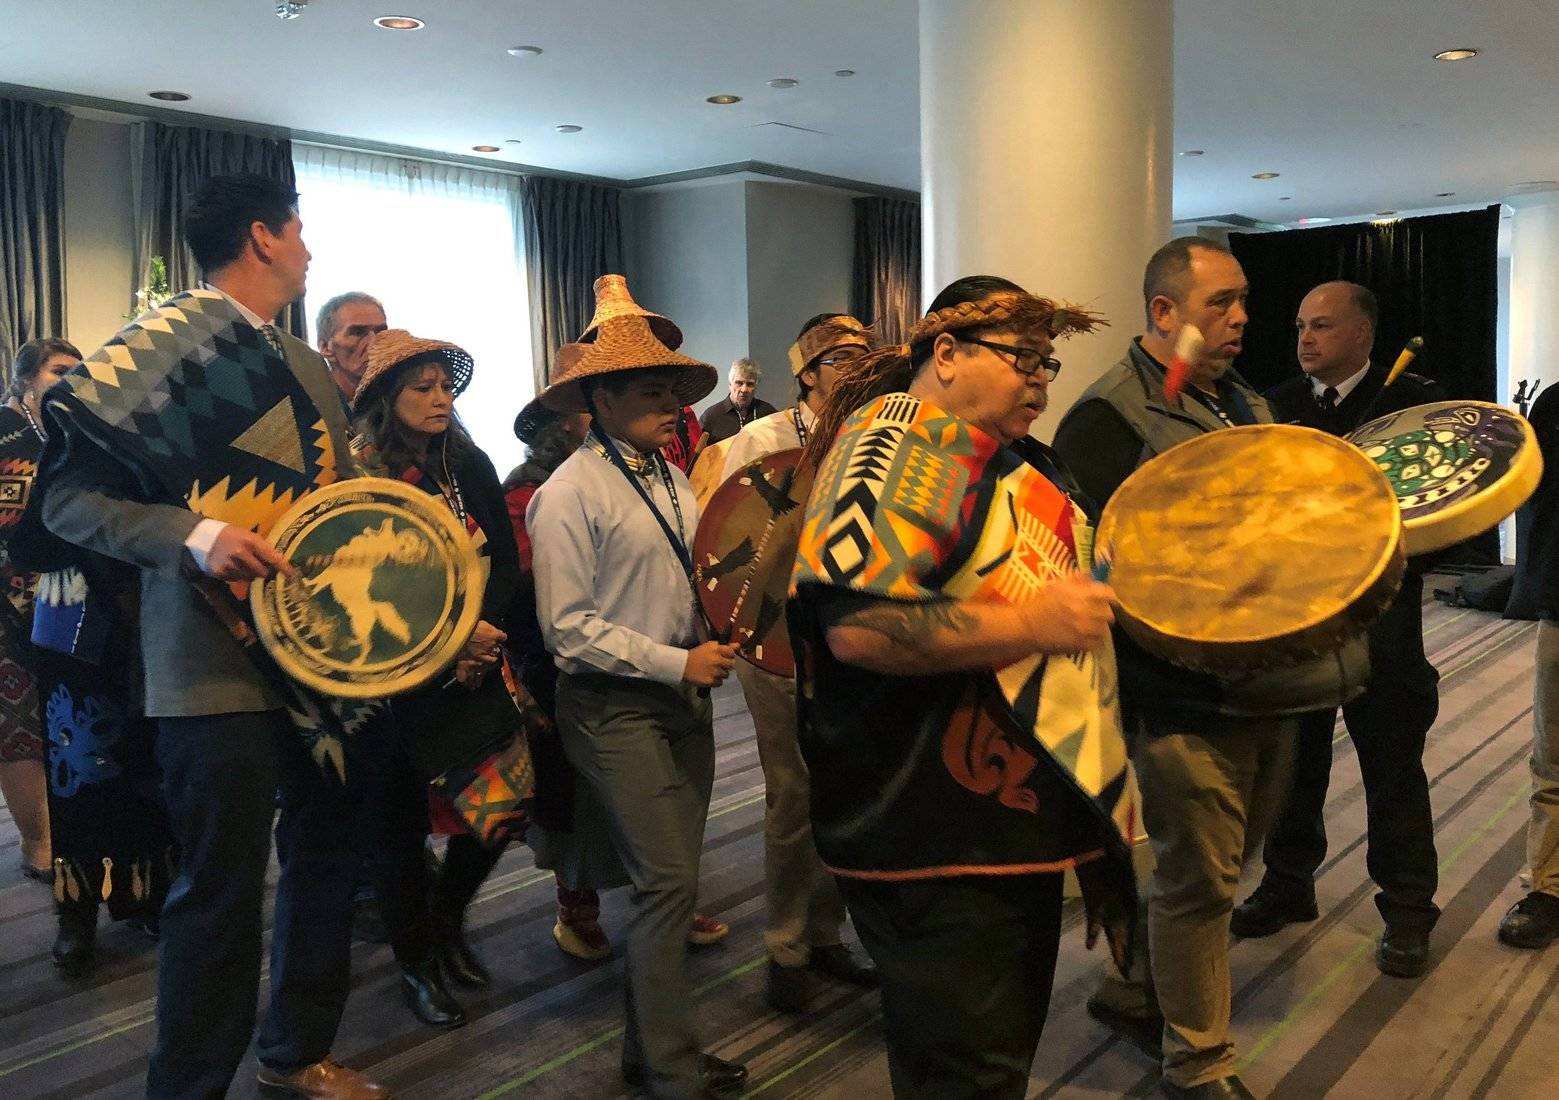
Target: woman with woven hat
{"points": [[403, 412], [612, 531]]}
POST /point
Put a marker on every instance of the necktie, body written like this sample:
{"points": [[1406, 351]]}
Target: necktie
{"points": [[272, 338], [1328, 398]]}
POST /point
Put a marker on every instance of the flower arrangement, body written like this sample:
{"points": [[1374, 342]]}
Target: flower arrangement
{"points": [[155, 292]]}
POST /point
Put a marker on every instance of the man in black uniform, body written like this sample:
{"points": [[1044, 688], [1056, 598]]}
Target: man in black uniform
{"points": [[1340, 390]]}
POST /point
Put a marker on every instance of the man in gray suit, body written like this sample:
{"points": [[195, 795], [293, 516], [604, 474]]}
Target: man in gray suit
{"points": [[169, 448]]}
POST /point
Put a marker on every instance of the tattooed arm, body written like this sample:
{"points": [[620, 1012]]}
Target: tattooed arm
{"points": [[906, 639]]}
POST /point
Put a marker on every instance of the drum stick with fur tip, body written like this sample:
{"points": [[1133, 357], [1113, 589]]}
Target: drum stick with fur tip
{"points": [[1188, 349], [1409, 353]]}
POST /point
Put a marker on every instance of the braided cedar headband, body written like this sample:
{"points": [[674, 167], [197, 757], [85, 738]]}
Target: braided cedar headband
{"points": [[890, 368]]}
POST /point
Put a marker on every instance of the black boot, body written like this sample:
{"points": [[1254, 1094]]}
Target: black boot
{"points": [[76, 943], [467, 864], [429, 999]]}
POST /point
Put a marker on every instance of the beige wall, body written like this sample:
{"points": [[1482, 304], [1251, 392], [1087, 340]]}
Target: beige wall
{"points": [[800, 250], [98, 231], [739, 265]]}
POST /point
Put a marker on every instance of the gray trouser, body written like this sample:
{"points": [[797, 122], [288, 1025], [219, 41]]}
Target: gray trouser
{"points": [[1543, 832], [647, 751], [805, 909], [1209, 795]]}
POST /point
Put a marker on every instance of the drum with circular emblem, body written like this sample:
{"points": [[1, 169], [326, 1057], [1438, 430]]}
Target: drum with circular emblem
{"points": [[390, 589], [1252, 548], [1457, 467]]}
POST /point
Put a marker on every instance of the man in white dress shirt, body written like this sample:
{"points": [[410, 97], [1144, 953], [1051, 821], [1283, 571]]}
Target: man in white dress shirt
{"points": [[612, 531], [805, 911]]}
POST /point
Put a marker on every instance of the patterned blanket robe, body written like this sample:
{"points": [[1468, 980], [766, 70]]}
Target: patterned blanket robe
{"points": [[206, 414], [914, 504]]}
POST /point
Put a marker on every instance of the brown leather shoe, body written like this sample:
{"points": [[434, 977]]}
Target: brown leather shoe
{"points": [[325, 1080]]}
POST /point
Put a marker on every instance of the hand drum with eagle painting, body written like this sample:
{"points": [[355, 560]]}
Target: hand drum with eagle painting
{"points": [[743, 554]]}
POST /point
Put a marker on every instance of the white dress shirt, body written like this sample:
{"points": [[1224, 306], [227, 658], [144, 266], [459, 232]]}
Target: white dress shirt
{"points": [[764, 436], [1343, 388], [611, 594]]}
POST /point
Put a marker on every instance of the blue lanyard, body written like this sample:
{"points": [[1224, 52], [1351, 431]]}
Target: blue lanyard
{"points": [[678, 543]]}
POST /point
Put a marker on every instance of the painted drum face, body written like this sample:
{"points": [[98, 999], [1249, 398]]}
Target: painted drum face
{"points": [[390, 590], [743, 554], [1457, 467]]}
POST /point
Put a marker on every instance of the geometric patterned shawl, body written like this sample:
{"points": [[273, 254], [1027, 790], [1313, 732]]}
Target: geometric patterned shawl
{"points": [[915, 504], [194, 401]]}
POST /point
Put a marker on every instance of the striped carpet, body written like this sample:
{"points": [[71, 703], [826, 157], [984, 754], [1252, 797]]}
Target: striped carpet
{"points": [[1313, 1016]]}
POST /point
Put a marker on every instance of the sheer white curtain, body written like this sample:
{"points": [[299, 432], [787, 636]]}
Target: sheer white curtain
{"points": [[441, 247]]}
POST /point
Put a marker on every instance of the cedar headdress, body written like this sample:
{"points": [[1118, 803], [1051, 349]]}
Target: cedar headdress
{"points": [[396, 348], [842, 331], [892, 368], [623, 336]]}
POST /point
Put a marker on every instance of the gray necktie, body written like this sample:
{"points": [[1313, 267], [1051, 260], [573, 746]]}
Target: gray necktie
{"points": [[272, 338]]}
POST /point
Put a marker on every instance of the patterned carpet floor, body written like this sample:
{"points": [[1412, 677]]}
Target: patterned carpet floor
{"points": [[1313, 1016]]}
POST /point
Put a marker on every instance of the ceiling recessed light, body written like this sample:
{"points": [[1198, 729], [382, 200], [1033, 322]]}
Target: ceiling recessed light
{"points": [[1461, 53], [1265, 176], [511, 141], [484, 148], [169, 97], [1285, 198], [784, 82], [399, 23], [1443, 194], [844, 72], [1384, 213], [524, 51], [568, 128], [723, 100], [1193, 152]]}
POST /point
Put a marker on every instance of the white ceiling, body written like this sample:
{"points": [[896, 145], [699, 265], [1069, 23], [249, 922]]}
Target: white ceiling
{"points": [[1341, 98]]}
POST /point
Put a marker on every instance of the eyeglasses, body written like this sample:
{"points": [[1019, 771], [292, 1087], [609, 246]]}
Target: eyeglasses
{"points": [[1026, 361], [844, 355]]}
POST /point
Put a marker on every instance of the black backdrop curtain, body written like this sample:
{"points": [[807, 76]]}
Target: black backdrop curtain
{"points": [[32, 223], [172, 164], [573, 236], [885, 283], [1436, 277]]}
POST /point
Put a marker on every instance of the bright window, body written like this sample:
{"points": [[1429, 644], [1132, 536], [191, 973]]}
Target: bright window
{"points": [[440, 246]]}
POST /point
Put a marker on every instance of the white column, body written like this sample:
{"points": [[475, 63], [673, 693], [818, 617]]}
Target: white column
{"points": [[1045, 152], [1533, 309]]}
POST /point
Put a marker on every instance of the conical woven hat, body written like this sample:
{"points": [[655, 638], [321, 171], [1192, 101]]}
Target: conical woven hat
{"points": [[394, 347], [624, 343], [612, 301]]}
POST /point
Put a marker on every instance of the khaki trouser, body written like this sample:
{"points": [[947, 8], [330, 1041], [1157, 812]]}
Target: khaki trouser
{"points": [[805, 910], [1208, 798], [1543, 832]]}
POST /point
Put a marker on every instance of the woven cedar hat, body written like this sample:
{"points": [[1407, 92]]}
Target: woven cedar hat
{"points": [[612, 301], [843, 331], [623, 337], [532, 419], [395, 348]]}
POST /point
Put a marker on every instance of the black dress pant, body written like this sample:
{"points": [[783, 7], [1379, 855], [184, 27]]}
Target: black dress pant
{"points": [[966, 963], [221, 774], [418, 910], [1388, 724]]}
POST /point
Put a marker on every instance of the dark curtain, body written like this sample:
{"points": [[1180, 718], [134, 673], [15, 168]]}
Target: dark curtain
{"points": [[1436, 277], [885, 282], [573, 236], [32, 223], [175, 161]]}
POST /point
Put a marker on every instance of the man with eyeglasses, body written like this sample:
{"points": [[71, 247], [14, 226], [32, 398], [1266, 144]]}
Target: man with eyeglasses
{"points": [[1213, 757], [805, 910]]}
